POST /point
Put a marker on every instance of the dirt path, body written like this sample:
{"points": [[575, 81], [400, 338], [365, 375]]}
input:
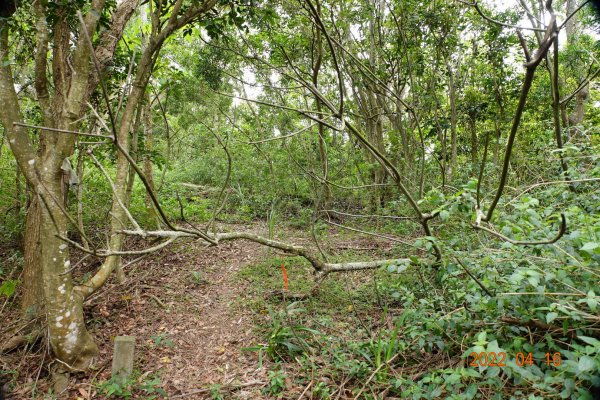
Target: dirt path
{"points": [[183, 307], [188, 309]]}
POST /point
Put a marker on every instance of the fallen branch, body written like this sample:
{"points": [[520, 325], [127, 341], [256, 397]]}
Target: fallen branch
{"points": [[321, 268], [18, 340], [553, 330]]}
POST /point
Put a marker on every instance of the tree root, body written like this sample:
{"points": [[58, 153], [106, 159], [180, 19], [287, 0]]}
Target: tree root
{"points": [[17, 340]]}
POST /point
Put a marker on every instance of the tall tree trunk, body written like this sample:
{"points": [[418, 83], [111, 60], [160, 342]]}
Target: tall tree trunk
{"points": [[317, 52], [474, 143], [48, 291], [48, 288], [32, 303], [572, 29], [79, 196], [148, 170], [453, 123], [18, 203], [118, 215]]}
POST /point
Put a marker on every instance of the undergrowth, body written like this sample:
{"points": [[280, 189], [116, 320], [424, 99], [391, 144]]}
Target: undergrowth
{"points": [[431, 331]]}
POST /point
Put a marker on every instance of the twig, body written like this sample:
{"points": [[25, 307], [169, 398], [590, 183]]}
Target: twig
{"points": [[480, 12], [552, 183], [284, 136], [561, 232], [367, 216], [45, 128], [373, 374], [305, 390], [370, 233], [114, 190], [481, 285], [545, 294]]}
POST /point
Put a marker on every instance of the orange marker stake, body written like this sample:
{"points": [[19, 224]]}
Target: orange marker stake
{"points": [[285, 278]]}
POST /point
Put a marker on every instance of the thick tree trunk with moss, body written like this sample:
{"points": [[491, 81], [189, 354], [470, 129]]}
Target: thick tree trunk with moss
{"points": [[48, 287], [70, 341], [50, 296]]}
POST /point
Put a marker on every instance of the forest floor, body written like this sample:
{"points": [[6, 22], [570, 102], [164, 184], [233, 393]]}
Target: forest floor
{"points": [[193, 310]]}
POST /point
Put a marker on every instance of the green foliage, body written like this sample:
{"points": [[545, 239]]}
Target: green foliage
{"points": [[276, 382], [429, 86], [162, 340], [146, 386], [197, 277], [285, 340], [8, 287], [444, 314], [215, 393]]}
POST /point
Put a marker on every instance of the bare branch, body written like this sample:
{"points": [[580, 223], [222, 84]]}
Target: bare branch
{"points": [[481, 285], [581, 86], [284, 136], [530, 68], [366, 216], [58, 130], [480, 12], [553, 183], [573, 14], [561, 232], [393, 239], [114, 190]]}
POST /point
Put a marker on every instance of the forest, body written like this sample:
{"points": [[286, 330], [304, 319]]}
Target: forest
{"points": [[299, 199]]}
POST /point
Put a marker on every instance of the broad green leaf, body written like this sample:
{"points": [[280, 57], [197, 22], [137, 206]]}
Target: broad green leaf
{"points": [[551, 316], [8, 288], [590, 340], [590, 247], [444, 215], [585, 363]]}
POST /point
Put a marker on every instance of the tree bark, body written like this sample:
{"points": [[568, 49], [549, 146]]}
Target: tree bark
{"points": [[474, 142], [69, 339], [48, 290], [572, 29], [453, 124], [148, 168]]}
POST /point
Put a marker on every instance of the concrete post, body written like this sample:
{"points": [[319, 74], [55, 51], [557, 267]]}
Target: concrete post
{"points": [[122, 364]]}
